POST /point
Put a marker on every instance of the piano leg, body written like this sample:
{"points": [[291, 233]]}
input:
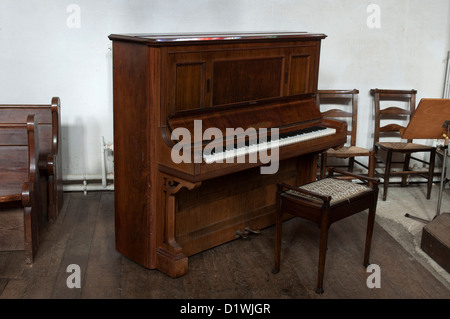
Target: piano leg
{"points": [[170, 258]]}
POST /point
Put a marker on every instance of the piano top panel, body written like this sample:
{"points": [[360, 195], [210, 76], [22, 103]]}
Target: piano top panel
{"points": [[210, 38]]}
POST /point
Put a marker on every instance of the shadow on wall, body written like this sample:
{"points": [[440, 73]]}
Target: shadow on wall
{"points": [[73, 148], [86, 162]]}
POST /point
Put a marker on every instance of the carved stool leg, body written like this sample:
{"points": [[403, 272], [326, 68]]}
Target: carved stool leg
{"points": [[322, 252], [370, 224]]}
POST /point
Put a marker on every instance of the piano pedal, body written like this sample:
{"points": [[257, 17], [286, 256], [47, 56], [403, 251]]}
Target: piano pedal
{"points": [[241, 234], [248, 230]]}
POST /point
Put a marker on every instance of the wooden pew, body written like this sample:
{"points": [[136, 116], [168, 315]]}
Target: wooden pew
{"points": [[50, 161], [21, 216]]}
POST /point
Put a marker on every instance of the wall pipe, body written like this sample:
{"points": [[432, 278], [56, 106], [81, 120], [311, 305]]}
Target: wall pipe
{"points": [[93, 178], [85, 187]]}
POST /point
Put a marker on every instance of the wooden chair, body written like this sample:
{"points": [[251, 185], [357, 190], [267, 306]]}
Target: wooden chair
{"points": [[344, 105], [20, 208], [324, 202], [388, 124]]}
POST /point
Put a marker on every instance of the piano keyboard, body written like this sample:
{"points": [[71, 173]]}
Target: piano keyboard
{"points": [[284, 140]]}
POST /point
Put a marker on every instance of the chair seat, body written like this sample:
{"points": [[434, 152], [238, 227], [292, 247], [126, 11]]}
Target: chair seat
{"points": [[348, 151], [336, 188], [403, 146]]}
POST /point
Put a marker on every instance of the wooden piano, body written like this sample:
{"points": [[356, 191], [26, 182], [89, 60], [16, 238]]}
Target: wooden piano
{"points": [[169, 207]]}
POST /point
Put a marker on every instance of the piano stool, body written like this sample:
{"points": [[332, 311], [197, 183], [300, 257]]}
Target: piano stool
{"points": [[324, 202]]}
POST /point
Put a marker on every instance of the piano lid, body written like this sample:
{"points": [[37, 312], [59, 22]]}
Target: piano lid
{"points": [[204, 38]]}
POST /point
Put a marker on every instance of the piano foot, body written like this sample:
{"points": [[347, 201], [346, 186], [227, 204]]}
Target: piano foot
{"points": [[172, 264]]}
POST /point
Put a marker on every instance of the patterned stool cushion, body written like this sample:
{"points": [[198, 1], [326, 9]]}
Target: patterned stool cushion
{"points": [[336, 188]]}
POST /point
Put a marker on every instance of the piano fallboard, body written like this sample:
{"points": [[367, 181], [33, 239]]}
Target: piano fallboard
{"points": [[195, 172], [254, 122]]}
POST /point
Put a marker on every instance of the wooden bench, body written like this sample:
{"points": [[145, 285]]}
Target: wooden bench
{"points": [[49, 121], [20, 208]]}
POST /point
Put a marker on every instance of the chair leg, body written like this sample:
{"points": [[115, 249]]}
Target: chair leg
{"points": [[371, 168], [323, 165], [278, 228], [406, 168], [431, 172], [322, 255], [387, 171], [351, 164], [369, 233]]}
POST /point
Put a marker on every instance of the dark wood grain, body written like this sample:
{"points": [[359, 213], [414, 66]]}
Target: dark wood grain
{"points": [[20, 196], [48, 118]]}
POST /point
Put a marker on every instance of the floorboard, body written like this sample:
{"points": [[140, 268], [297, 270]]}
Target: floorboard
{"points": [[84, 235]]}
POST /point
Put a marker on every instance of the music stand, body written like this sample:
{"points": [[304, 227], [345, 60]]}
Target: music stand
{"points": [[431, 120]]}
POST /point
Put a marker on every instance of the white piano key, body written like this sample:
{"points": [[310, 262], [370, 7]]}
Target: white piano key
{"points": [[223, 156]]}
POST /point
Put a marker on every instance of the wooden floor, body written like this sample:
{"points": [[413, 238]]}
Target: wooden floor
{"points": [[241, 269]]}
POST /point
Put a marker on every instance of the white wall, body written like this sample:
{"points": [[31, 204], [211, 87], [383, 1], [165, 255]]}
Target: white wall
{"points": [[42, 56]]}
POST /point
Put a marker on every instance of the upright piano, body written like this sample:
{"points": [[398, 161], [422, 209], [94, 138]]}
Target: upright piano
{"points": [[205, 126]]}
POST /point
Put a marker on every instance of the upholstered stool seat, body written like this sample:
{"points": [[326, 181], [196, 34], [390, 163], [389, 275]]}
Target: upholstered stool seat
{"points": [[324, 202], [335, 188]]}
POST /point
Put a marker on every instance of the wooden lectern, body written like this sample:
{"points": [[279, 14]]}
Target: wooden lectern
{"points": [[431, 121], [428, 119]]}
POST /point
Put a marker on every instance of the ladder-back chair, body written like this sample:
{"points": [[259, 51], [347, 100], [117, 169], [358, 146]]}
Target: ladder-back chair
{"points": [[390, 122]]}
